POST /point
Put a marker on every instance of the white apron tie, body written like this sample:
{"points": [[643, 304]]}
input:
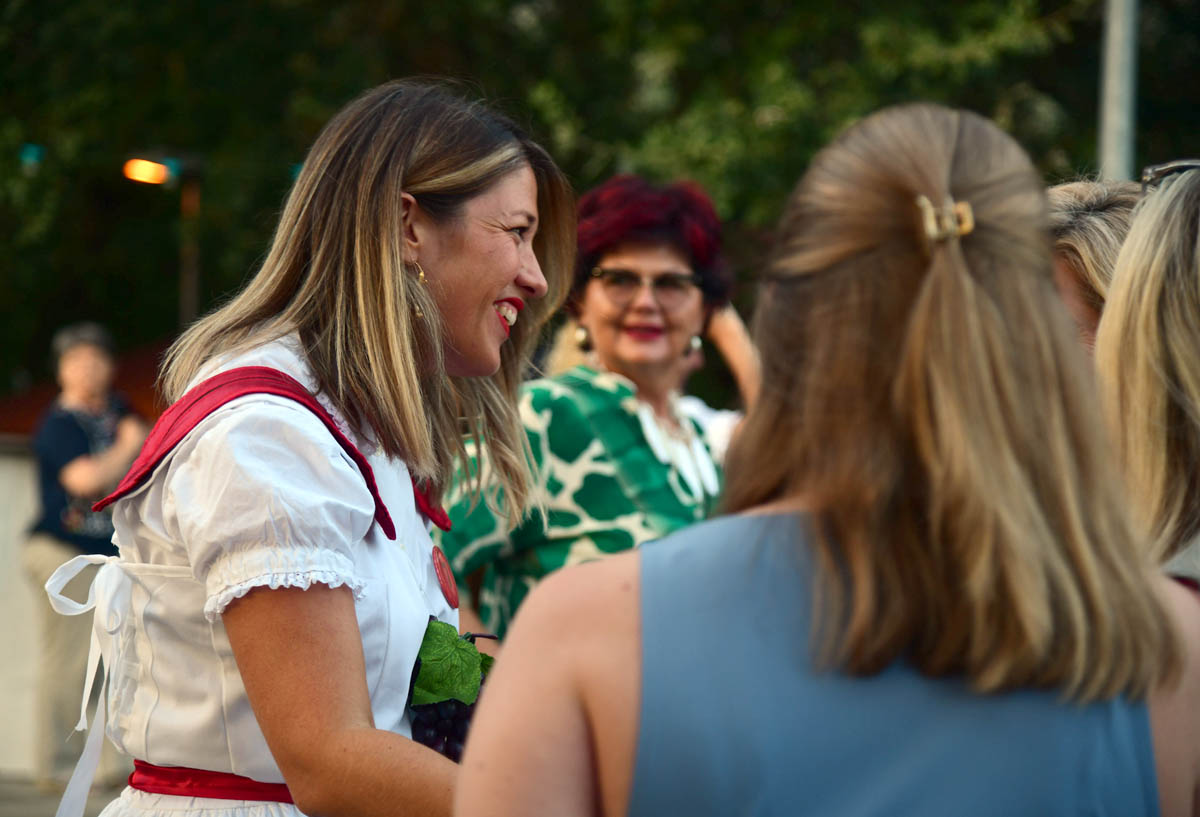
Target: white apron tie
{"points": [[109, 594]]}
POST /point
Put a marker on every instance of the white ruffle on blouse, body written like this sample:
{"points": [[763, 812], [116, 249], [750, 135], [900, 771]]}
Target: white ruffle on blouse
{"points": [[259, 494], [718, 424]]}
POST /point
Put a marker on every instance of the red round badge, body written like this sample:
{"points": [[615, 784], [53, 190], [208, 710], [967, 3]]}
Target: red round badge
{"points": [[445, 577]]}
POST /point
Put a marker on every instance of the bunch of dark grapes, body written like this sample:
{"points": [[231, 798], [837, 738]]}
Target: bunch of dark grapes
{"points": [[442, 726]]}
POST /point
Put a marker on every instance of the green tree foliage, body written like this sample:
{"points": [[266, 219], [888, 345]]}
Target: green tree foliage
{"points": [[734, 95]]}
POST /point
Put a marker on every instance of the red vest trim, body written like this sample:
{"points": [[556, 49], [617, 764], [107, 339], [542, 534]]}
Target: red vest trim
{"points": [[185, 782], [208, 396], [436, 513]]}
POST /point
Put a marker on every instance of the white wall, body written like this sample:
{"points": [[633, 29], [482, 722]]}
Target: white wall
{"points": [[18, 505]]}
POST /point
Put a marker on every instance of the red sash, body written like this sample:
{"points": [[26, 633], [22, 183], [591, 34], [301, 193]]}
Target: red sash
{"points": [[203, 783], [206, 397]]}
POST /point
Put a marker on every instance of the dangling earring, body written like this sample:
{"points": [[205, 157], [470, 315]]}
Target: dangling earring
{"points": [[583, 339], [420, 280], [695, 343]]}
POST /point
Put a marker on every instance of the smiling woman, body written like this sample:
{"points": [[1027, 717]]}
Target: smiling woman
{"points": [[482, 269], [276, 568], [640, 309]]}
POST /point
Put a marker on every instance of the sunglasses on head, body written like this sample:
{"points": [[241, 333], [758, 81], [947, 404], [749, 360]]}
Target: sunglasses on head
{"points": [[1153, 174]]}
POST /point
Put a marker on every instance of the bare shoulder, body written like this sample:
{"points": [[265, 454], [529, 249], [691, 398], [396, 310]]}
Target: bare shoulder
{"points": [[1175, 707], [593, 612], [562, 740], [1184, 606], [591, 615], [591, 601]]}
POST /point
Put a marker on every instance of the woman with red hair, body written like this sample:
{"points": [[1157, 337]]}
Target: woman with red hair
{"points": [[620, 460]]}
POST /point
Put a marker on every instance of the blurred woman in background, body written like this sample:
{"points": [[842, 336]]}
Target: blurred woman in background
{"points": [[618, 460], [1148, 357], [1089, 220], [930, 600], [84, 444], [727, 334]]}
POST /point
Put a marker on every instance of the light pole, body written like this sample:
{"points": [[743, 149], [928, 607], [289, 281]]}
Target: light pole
{"points": [[189, 249], [1118, 89], [169, 172]]}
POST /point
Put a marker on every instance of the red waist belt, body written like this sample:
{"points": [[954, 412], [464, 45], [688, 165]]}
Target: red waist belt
{"points": [[203, 783]]}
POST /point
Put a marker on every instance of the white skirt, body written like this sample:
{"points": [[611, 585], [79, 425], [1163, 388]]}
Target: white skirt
{"points": [[135, 803]]}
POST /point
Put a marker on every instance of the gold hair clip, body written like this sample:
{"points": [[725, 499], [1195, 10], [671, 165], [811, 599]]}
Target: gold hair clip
{"points": [[953, 220]]}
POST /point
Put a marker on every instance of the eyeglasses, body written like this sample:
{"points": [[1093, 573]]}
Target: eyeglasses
{"points": [[671, 289], [1154, 174]]}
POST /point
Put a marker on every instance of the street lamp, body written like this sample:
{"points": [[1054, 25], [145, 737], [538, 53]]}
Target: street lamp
{"points": [[168, 172], [148, 172]]}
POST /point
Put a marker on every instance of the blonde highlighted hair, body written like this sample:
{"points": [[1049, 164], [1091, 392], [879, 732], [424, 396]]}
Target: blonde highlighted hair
{"points": [[1089, 220], [1148, 360], [336, 276], [926, 399]]}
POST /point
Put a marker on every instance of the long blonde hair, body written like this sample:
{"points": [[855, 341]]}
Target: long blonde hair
{"points": [[336, 276], [1147, 358], [927, 400], [1089, 220]]}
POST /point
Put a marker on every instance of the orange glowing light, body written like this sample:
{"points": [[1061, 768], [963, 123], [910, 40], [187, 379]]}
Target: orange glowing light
{"points": [[143, 170]]}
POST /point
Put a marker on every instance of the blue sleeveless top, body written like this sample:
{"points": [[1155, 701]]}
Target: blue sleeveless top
{"points": [[735, 720]]}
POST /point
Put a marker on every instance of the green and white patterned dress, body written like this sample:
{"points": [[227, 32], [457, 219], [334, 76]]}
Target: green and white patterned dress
{"points": [[612, 480]]}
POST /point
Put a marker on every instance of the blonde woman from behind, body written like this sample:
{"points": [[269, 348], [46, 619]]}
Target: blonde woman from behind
{"points": [[1089, 220], [1148, 357], [928, 600]]}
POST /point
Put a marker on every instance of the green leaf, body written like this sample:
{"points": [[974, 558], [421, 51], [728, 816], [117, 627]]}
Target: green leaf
{"points": [[485, 663], [450, 667]]}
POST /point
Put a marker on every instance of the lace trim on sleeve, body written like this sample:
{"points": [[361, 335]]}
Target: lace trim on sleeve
{"points": [[236, 573]]}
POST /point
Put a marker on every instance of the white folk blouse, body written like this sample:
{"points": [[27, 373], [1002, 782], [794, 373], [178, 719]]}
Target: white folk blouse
{"points": [[259, 494]]}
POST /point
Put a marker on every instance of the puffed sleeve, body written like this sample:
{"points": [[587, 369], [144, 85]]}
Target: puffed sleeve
{"points": [[261, 495]]}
